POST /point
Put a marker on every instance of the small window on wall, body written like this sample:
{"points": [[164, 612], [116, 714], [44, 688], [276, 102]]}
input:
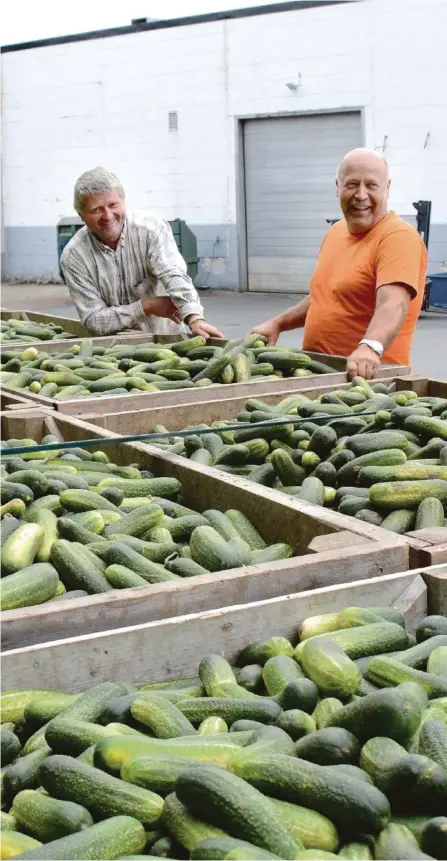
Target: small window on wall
{"points": [[173, 121]]}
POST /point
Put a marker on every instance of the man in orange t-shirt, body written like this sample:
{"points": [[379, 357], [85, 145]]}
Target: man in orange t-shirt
{"points": [[368, 285]]}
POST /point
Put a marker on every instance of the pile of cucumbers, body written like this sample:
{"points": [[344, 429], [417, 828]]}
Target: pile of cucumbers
{"points": [[334, 746], [85, 370], [73, 524], [28, 330], [377, 455]]}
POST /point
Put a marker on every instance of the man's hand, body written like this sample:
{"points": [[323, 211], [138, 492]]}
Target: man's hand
{"points": [[162, 306], [270, 329], [201, 327], [363, 362]]}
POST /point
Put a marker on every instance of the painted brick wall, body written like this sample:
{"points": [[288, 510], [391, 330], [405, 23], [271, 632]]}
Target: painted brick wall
{"points": [[69, 107]]}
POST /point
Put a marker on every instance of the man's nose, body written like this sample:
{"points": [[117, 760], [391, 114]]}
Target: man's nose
{"points": [[362, 192]]}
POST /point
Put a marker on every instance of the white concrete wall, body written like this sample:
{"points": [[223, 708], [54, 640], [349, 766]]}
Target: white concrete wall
{"points": [[69, 107]]}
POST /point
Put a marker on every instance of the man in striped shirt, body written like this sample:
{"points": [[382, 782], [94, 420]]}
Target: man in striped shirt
{"points": [[122, 275]]}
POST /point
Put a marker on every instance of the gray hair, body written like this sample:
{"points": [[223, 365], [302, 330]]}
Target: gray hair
{"points": [[365, 151], [95, 181]]}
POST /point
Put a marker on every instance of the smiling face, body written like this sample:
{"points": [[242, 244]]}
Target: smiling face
{"points": [[363, 187], [104, 214]]}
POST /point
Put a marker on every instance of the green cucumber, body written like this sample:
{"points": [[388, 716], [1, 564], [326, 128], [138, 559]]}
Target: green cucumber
{"points": [[188, 830], [433, 742], [23, 772], [278, 672], [112, 753], [75, 569], [32, 585], [329, 667], [10, 746], [108, 839], [430, 627], [230, 803], [157, 772], [71, 780], [364, 640], [260, 652], [162, 717], [433, 838], [397, 843], [20, 548], [392, 712], [331, 792], [386, 672], [296, 723], [46, 818], [311, 828], [329, 746], [197, 709]]}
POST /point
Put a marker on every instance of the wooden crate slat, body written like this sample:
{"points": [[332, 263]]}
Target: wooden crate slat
{"points": [[173, 648]]}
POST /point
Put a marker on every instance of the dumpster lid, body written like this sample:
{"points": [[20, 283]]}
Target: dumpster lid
{"points": [[70, 219]]}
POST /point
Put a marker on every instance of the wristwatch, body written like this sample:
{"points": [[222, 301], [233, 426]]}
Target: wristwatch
{"points": [[376, 346]]}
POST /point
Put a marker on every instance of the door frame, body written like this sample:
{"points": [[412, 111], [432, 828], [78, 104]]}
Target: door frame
{"points": [[240, 173]]}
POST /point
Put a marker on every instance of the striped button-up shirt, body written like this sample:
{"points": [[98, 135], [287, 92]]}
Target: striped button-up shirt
{"points": [[108, 285]]}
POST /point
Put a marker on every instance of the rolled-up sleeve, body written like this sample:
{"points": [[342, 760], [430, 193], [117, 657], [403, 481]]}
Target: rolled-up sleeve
{"points": [[167, 265], [97, 317]]}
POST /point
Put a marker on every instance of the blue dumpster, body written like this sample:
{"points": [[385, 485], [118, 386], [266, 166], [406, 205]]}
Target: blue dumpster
{"points": [[438, 290]]}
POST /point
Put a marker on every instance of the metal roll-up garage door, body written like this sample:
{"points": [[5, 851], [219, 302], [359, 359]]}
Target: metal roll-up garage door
{"points": [[290, 165]]}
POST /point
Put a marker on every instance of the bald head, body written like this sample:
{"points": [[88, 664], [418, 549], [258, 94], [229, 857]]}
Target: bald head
{"points": [[362, 156], [362, 186]]}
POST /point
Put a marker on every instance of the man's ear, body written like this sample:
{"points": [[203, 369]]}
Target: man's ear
{"points": [[337, 187]]}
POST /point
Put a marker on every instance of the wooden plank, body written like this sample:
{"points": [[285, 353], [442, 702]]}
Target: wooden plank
{"points": [[237, 586], [146, 652], [178, 416], [436, 580], [277, 516], [10, 401], [412, 603], [336, 541], [432, 535]]}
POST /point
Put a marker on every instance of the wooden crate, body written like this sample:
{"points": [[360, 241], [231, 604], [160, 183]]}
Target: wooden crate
{"points": [[69, 324], [173, 648], [328, 547], [131, 403], [178, 416], [135, 338], [426, 546]]}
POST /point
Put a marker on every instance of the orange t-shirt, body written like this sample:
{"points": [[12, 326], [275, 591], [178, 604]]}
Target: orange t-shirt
{"points": [[349, 270]]}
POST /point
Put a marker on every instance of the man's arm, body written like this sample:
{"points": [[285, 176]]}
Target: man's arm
{"points": [[97, 317], [167, 265], [392, 302], [292, 318]]}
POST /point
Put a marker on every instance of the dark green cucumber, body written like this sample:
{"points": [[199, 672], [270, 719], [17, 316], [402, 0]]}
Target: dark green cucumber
{"points": [[10, 746], [332, 793], [296, 723], [430, 627], [329, 746], [392, 712], [119, 553], [75, 569], [228, 802], [23, 773], [197, 709], [434, 837]]}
